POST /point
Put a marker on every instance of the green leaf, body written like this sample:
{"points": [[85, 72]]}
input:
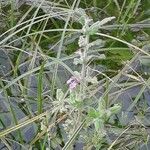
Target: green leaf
{"points": [[115, 109], [78, 104], [75, 100], [106, 20], [40, 88], [121, 54], [95, 26], [93, 113], [97, 44], [72, 97], [101, 106], [81, 15], [99, 126], [107, 114]]}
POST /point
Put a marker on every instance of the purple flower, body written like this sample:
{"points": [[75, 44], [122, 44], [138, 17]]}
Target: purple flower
{"points": [[72, 82]]}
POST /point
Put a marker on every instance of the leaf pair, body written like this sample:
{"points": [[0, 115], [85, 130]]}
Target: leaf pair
{"points": [[93, 29]]}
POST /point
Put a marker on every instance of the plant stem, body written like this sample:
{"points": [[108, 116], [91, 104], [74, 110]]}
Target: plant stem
{"points": [[83, 76]]}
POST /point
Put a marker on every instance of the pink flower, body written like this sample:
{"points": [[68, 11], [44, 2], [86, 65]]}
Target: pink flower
{"points": [[72, 82]]}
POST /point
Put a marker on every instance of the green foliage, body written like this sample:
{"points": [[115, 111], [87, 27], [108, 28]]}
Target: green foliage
{"points": [[66, 71]]}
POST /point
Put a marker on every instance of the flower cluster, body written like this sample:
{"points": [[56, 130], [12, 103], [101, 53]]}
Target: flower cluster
{"points": [[73, 82]]}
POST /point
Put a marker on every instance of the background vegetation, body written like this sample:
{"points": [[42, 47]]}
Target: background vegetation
{"points": [[74, 74]]}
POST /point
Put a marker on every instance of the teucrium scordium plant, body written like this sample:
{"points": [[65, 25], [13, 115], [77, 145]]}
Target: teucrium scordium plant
{"points": [[77, 102]]}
